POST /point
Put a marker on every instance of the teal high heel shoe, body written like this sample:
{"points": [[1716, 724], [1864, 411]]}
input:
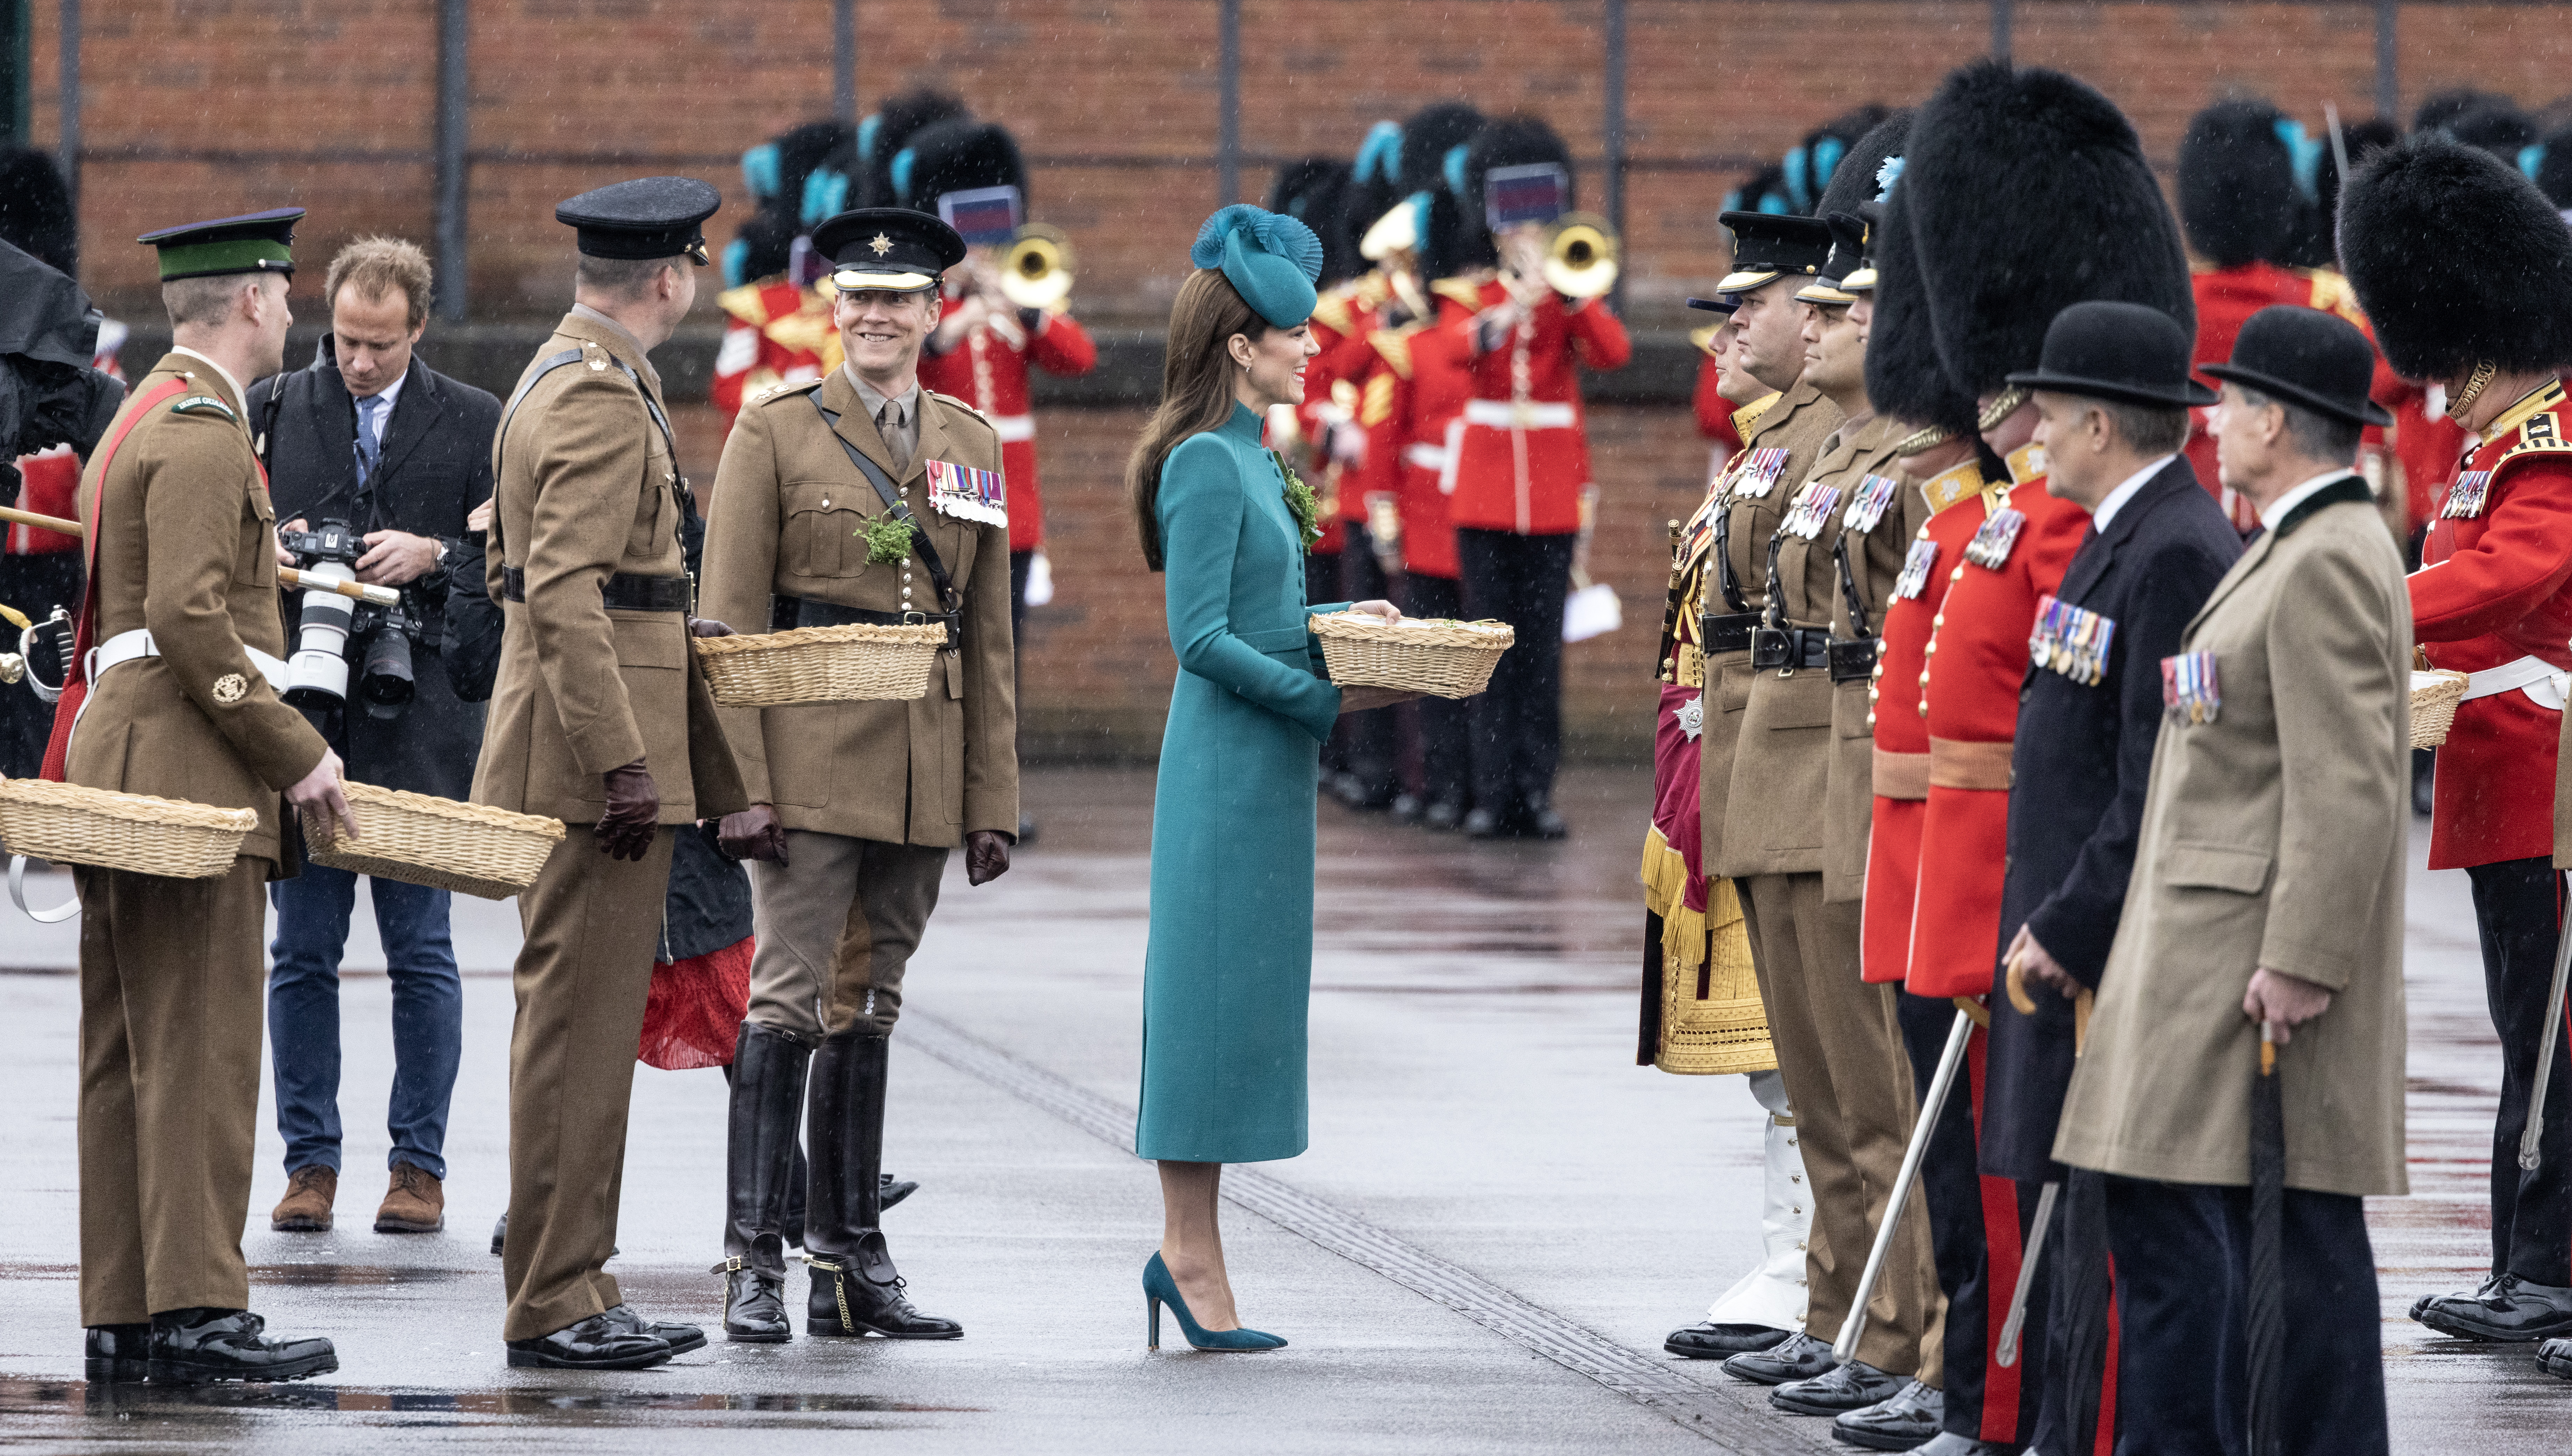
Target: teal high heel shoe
{"points": [[1160, 1289]]}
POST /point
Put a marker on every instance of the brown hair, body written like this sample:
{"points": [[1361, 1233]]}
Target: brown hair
{"points": [[378, 265], [1196, 389]]}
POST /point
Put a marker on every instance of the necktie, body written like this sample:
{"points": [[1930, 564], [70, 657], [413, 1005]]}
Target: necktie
{"points": [[369, 436], [889, 425]]}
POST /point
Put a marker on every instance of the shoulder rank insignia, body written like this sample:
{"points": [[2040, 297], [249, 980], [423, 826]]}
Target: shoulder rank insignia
{"points": [[1759, 471], [1866, 507], [785, 391], [202, 404], [2468, 495], [966, 493], [2191, 691], [2540, 432], [1991, 545], [2070, 639], [1811, 507], [1916, 566]]}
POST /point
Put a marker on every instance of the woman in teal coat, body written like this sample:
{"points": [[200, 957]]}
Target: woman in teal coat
{"points": [[1229, 967]]}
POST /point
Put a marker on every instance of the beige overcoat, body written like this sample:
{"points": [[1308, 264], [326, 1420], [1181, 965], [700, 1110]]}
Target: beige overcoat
{"points": [[2272, 837]]}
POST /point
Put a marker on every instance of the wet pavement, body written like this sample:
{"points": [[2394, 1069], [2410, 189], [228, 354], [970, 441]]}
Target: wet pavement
{"points": [[1498, 1219]]}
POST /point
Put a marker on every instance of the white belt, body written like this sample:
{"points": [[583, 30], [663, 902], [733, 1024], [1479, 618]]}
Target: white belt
{"points": [[1014, 428], [2544, 684], [126, 647], [1426, 455], [1532, 415]]}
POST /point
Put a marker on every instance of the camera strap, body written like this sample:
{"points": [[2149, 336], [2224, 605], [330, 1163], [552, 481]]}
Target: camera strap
{"points": [[891, 494]]}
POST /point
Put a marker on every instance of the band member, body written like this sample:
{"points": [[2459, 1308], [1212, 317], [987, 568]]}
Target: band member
{"points": [[2458, 259], [597, 718], [860, 498], [777, 329]]}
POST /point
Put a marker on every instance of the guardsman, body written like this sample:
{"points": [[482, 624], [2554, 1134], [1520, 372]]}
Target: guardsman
{"points": [[1522, 470], [779, 328], [1700, 995], [861, 498], [599, 719], [1441, 379], [1842, 531], [179, 700], [2459, 259]]}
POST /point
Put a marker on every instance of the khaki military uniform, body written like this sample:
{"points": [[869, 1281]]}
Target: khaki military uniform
{"points": [[872, 795], [586, 501], [1839, 1044], [170, 970]]}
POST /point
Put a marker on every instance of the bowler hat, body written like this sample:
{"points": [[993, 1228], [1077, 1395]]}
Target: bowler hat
{"points": [[2307, 358], [2130, 352]]}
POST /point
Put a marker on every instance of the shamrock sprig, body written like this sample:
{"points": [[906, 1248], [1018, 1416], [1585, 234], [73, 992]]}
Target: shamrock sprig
{"points": [[1301, 504], [888, 540]]}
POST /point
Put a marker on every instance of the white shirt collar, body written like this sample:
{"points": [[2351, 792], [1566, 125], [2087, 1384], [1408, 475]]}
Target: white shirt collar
{"points": [[238, 391], [391, 394], [2107, 509], [2275, 510]]}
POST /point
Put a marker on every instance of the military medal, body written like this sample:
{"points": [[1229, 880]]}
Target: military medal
{"points": [[1760, 473], [1813, 506], [2071, 641], [1991, 545], [966, 494], [2189, 690], [2465, 498], [1916, 566], [1867, 507]]}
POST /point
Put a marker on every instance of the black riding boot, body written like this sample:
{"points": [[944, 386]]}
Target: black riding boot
{"points": [[759, 1148], [855, 1285]]}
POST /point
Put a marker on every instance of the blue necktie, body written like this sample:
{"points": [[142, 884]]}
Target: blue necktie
{"points": [[370, 446]]}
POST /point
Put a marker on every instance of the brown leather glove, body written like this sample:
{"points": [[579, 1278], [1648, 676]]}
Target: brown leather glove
{"points": [[986, 855], [754, 833], [707, 627], [633, 812]]}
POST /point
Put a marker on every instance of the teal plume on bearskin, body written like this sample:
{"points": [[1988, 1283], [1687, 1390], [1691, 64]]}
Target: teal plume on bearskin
{"points": [[2456, 258]]}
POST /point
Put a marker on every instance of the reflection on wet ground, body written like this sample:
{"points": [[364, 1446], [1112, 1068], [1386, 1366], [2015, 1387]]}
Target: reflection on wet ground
{"points": [[19, 1396]]}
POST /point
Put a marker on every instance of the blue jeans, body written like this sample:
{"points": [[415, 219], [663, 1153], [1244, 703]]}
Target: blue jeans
{"points": [[304, 1014]]}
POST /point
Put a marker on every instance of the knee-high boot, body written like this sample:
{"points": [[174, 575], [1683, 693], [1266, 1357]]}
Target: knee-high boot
{"points": [[759, 1144], [856, 1288]]}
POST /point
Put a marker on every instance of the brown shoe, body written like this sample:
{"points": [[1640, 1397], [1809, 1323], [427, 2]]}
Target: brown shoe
{"points": [[305, 1209], [415, 1204]]}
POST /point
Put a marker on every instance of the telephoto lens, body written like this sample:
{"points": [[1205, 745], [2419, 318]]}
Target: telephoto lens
{"points": [[317, 677], [385, 681]]}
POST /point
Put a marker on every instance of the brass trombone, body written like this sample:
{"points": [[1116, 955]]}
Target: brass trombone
{"points": [[1037, 271], [1581, 256]]}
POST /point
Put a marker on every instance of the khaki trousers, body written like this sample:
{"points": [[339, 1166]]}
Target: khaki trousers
{"points": [[584, 974], [171, 1021], [837, 924], [1839, 1048]]}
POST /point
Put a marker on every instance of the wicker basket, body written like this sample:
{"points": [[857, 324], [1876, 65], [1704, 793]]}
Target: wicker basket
{"points": [[1439, 657], [135, 833], [2434, 696], [857, 662], [470, 849]]}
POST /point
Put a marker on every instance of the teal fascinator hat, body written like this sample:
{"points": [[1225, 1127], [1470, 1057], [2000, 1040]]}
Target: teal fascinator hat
{"points": [[1271, 259]]}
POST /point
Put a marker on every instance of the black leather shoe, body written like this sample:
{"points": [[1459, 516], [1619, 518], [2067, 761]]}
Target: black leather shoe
{"points": [[2506, 1311], [2554, 1357], [1798, 1357], [1948, 1443], [1903, 1421], [1408, 807], [892, 1191], [113, 1354], [500, 1235], [1543, 823], [191, 1346], [1853, 1386], [2422, 1306], [754, 1305], [595, 1343], [1712, 1341], [1026, 830], [866, 1294], [681, 1339], [1444, 816], [1484, 824]]}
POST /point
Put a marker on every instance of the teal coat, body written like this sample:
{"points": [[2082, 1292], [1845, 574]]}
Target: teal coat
{"points": [[1230, 963]]}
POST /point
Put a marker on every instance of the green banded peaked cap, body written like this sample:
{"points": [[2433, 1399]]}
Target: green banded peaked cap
{"points": [[1271, 259], [254, 242]]}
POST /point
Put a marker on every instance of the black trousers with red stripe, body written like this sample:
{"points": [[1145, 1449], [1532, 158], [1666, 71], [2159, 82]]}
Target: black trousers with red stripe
{"points": [[1977, 1226], [2518, 906]]}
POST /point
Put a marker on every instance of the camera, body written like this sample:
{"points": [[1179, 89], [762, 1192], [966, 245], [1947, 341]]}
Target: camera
{"points": [[332, 630]]}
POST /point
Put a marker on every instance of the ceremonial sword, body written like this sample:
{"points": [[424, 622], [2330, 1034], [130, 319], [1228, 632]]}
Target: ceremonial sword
{"points": [[1844, 1349], [2531, 1151]]}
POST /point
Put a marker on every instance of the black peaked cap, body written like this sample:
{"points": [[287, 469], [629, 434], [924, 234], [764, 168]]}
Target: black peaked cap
{"points": [[2456, 258], [887, 247], [648, 218]]}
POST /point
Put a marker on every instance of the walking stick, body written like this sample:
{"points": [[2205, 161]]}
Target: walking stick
{"points": [[286, 576], [1851, 1330], [2268, 1295], [2531, 1151], [2007, 1354]]}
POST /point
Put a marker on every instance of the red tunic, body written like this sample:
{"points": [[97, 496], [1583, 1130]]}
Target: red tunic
{"points": [[1714, 412], [1977, 660], [1902, 731], [48, 478], [2225, 299], [2428, 444], [1341, 317], [1525, 456], [989, 370], [1441, 382], [2497, 587], [777, 334]]}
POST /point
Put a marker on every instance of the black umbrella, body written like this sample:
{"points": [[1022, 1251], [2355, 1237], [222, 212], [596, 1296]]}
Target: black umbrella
{"points": [[2267, 1320]]}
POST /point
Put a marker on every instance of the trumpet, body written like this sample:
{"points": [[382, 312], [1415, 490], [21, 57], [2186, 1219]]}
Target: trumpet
{"points": [[1581, 256], [1037, 271]]}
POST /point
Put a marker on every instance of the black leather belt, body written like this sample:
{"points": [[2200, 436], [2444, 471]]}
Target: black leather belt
{"points": [[1789, 648], [808, 613], [1853, 658], [625, 591], [1724, 633]]}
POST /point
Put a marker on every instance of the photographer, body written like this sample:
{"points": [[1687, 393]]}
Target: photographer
{"points": [[369, 436]]}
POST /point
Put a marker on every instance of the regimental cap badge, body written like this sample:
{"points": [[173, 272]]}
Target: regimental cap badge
{"points": [[880, 244], [231, 688]]}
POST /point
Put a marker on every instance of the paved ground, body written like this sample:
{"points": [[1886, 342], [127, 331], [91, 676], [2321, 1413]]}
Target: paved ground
{"points": [[1498, 1219]]}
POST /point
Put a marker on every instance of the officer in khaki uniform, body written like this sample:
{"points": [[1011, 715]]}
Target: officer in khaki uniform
{"points": [[857, 498], [599, 719], [184, 640]]}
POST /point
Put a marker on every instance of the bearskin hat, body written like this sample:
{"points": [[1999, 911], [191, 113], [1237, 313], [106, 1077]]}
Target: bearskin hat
{"points": [[1904, 379], [1374, 182], [883, 137], [2443, 106], [2502, 130], [1808, 169], [1516, 141], [2554, 168], [953, 156], [1435, 142], [805, 147], [2236, 184], [36, 212], [764, 247], [1858, 178], [2316, 241], [2456, 258], [2025, 192], [1319, 193]]}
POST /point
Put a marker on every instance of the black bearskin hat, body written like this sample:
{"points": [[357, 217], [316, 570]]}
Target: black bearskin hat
{"points": [[2502, 130], [2316, 241], [1456, 240], [2553, 169], [763, 247], [881, 138], [2443, 106], [2026, 192], [1516, 141], [2237, 184], [1431, 134], [804, 149], [1318, 191], [1807, 171], [1903, 377], [1858, 178], [2456, 258], [36, 211], [1763, 190], [958, 155]]}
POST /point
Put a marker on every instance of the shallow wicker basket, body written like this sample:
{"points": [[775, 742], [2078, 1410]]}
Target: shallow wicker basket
{"points": [[857, 662], [1439, 657], [2434, 696], [470, 849], [136, 833]]}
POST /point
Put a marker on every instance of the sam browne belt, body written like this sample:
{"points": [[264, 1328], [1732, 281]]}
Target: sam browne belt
{"points": [[625, 591]]}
